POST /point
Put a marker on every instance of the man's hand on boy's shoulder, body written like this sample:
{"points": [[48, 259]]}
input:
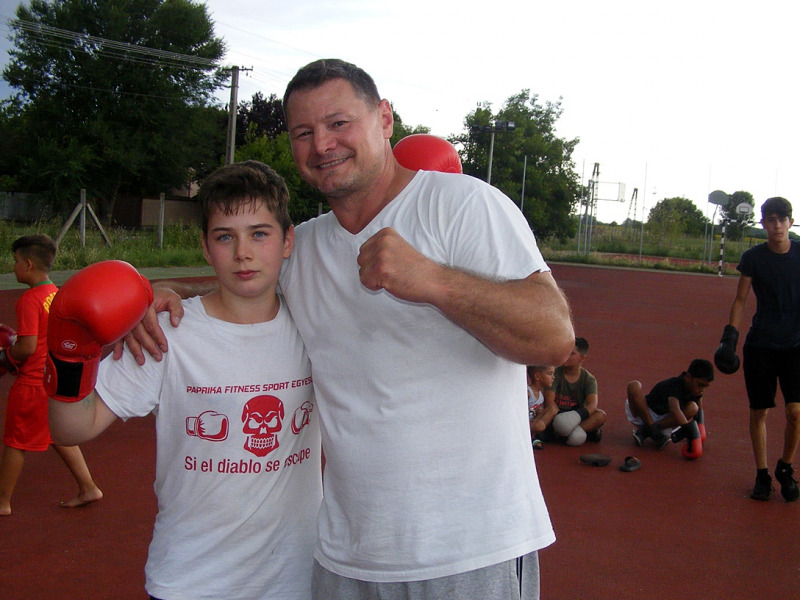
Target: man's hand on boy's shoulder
{"points": [[148, 335]]}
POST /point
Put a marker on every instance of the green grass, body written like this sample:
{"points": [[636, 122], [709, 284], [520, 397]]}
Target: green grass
{"points": [[621, 246], [610, 245], [181, 246]]}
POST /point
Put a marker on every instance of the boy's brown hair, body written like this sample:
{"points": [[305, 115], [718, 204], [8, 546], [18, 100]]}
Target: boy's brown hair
{"points": [[248, 182], [39, 248], [776, 206]]}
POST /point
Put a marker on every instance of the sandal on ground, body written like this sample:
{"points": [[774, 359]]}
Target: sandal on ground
{"points": [[631, 464], [596, 460]]}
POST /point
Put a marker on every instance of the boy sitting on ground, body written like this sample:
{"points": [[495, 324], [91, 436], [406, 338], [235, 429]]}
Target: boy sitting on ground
{"points": [[574, 394], [676, 402]]}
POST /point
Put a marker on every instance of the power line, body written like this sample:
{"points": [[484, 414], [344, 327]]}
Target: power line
{"points": [[90, 44]]}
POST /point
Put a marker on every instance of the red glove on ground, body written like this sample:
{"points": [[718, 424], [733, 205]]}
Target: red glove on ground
{"points": [[694, 445]]}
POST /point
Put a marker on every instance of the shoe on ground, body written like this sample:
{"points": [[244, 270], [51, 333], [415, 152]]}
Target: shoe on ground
{"points": [[763, 489], [660, 439], [594, 436], [640, 435], [785, 475]]}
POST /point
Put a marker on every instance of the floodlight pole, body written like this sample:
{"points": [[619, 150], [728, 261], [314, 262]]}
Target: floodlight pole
{"points": [[498, 126], [644, 197], [491, 154]]}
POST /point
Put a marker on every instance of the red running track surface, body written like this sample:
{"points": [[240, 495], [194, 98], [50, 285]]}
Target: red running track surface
{"points": [[672, 529]]}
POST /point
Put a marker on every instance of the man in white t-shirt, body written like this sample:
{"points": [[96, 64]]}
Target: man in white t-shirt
{"points": [[420, 298]]}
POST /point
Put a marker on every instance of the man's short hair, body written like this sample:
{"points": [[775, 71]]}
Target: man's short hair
{"points": [[39, 248], [776, 206], [248, 182], [581, 345], [700, 368], [319, 72]]}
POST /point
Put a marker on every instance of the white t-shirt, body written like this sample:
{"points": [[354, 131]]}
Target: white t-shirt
{"points": [[535, 403], [238, 456], [429, 468]]}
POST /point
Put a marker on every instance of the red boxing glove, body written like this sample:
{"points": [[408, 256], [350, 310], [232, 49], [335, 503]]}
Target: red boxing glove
{"points": [[693, 449], [702, 429], [422, 151], [8, 338], [700, 419], [95, 307], [694, 445]]}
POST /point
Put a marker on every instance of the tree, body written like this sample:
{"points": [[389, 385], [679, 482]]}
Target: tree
{"points": [[676, 216], [260, 116], [737, 222], [115, 96], [551, 184], [304, 201], [402, 130]]}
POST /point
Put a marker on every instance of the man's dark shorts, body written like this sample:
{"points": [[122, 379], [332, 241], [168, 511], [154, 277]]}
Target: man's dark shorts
{"points": [[764, 368]]}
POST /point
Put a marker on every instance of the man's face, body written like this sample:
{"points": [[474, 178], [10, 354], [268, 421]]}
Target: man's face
{"points": [[339, 141]]}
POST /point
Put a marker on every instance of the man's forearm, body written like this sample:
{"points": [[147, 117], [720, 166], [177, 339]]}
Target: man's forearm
{"points": [[527, 321], [188, 289]]}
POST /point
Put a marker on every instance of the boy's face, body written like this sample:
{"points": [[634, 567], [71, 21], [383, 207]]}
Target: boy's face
{"points": [[546, 377], [246, 249], [697, 385], [575, 358], [22, 267], [777, 227]]}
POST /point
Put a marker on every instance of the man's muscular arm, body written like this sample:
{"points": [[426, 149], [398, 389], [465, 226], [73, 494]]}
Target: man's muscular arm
{"points": [[525, 320]]}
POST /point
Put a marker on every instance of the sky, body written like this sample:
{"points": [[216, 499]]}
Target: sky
{"points": [[676, 98]]}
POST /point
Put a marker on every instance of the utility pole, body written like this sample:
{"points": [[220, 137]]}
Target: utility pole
{"points": [[230, 144]]}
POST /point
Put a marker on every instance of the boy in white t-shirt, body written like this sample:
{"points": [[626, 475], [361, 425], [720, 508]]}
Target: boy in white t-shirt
{"points": [[540, 378], [238, 473]]}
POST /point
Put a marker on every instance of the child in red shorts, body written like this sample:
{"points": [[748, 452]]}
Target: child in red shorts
{"points": [[26, 428]]}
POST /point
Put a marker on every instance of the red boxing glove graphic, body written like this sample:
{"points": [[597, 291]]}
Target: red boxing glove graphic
{"points": [[209, 425], [301, 417]]}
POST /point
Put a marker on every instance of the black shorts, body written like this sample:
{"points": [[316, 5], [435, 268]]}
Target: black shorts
{"points": [[764, 368]]}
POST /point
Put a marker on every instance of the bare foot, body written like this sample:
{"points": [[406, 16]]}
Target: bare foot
{"points": [[5, 509], [83, 499]]}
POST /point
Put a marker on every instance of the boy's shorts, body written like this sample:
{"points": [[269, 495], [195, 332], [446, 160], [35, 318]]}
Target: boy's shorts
{"points": [[638, 422], [26, 418], [764, 368]]}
